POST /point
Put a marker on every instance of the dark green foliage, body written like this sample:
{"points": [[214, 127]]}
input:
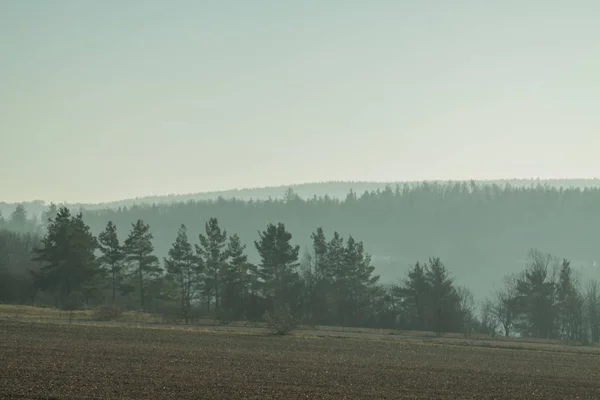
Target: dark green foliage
{"points": [[240, 281], [184, 268], [339, 281], [592, 310], [68, 261], [139, 253], [278, 268], [570, 304], [430, 300], [113, 256], [537, 296], [414, 292], [17, 267], [213, 253]]}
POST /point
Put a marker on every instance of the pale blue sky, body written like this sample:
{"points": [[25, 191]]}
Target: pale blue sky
{"points": [[103, 100]]}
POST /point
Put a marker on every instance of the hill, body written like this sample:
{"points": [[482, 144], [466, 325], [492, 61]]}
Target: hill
{"points": [[333, 189]]}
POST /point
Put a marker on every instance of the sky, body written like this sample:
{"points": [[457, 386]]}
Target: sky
{"points": [[104, 100]]}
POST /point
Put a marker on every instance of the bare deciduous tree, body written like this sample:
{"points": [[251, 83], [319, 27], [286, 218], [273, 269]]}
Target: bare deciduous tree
{"points": [[504, 307]]}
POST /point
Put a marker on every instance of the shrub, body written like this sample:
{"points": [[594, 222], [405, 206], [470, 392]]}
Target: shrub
{"points": [[281, 321], [108, 312]]}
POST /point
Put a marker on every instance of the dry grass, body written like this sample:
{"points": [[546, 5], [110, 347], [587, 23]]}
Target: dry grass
{"points": [[61, 361], [19, 311]]}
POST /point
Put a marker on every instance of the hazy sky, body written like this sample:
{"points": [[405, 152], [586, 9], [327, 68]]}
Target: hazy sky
{"points": [[110, 99]]}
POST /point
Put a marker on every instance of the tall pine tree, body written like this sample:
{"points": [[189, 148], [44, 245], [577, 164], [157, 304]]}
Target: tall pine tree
{"points": [[278, 267], [239, 280], [67, 254], [185, 269], [213, 252], [113, 256], [139, 252]]}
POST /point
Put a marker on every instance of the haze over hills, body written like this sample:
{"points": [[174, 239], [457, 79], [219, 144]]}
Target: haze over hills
{"points": [[332, 189]]}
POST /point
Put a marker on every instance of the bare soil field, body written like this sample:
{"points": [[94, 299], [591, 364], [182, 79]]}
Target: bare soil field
{"points": [[60, 361]]}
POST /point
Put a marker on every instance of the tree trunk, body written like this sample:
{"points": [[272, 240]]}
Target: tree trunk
{"points": [[141, 278], [114, 286]]}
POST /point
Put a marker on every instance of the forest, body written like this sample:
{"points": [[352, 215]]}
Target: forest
{"points": [[248, 257], [482, 231]]}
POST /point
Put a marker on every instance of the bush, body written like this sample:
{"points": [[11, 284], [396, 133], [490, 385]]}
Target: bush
{"points": [[282, 321], [107, 313]]}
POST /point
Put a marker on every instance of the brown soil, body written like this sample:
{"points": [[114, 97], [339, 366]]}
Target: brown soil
{"points": [[57, 361]]}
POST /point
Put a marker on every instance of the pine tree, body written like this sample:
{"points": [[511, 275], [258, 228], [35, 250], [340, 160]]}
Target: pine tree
{"points": [[321, 277], [139, 253], [18, 219], [570, 304], [67, 254], [357, 283], [322, 271], [414, 291], [239, 280], [536, 294], [278, 268], [429, 299], [49, 214], [445, 310], [113, 256], [184, 268], [212, 251]]}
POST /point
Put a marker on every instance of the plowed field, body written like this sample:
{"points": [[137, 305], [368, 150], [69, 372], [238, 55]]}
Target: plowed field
{"points": [[56, 361]]}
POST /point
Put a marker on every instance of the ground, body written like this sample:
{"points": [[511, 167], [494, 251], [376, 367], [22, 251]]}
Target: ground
{"points": [[62, 361]]}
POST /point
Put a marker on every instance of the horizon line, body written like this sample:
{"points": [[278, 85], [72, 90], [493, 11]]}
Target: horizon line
{"points": [[149, 197]]}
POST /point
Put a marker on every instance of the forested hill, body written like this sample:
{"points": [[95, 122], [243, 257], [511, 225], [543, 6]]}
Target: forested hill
{"points": [[337, 190], [481, 231]]}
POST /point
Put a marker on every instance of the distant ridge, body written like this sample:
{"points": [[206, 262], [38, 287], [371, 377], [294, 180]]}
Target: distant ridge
{"points": [[333, 189]]}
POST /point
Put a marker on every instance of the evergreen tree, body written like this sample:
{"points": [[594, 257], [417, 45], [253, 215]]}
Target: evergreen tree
{"points": [[17, 266], [113, 256], [430, 300], [278, 267], [239, 280], [184, 268], [322, 272], [356, 281], [414, 292], [67, 254], [444, 300], [321, 277], [592, 308], [139, 252], [213, 252], [570, 305], [18, 219], [536, 296], [49, 214]]}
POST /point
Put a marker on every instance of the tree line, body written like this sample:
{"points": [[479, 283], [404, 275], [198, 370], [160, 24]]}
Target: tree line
{"points": [[482, 230], [333, 282]]}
